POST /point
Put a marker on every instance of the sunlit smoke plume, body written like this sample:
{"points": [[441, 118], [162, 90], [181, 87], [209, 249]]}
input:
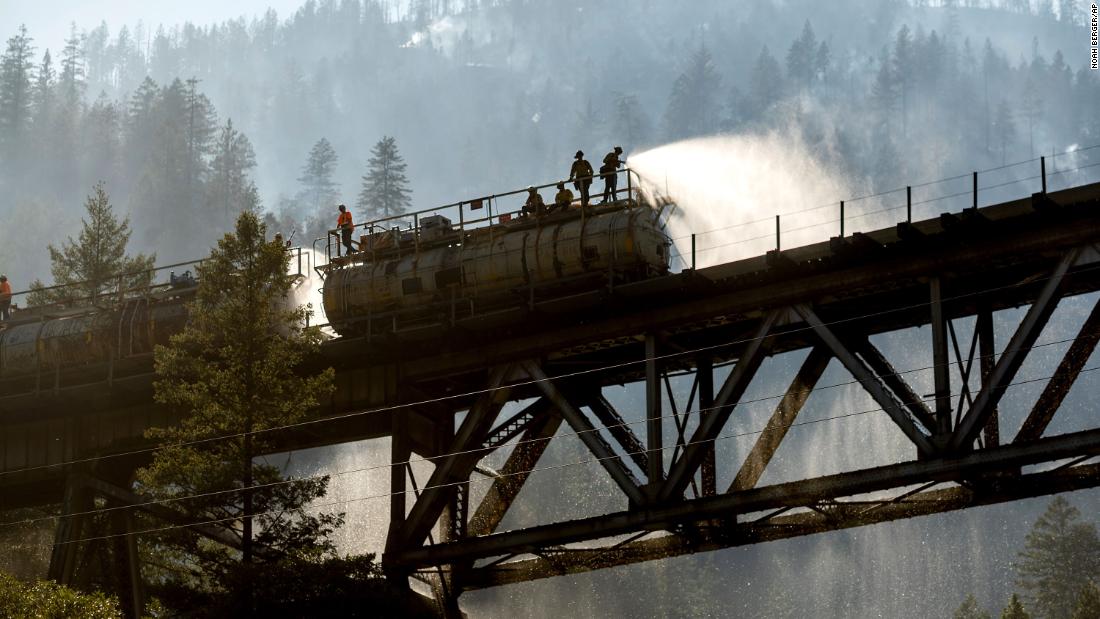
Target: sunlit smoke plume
{"points": [[728, 190]]}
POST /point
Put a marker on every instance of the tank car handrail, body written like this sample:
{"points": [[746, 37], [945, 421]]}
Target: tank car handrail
{"points": [[404, 217], [130, 274], [466, 237], [464, 224], [88, 303]]}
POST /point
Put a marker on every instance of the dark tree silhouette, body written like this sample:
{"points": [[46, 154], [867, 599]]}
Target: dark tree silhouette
{"points": [[385, 191]]}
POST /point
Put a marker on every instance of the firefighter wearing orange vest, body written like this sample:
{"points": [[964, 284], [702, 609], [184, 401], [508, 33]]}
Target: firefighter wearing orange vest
{"points": [[344, 225], [5, 298]]}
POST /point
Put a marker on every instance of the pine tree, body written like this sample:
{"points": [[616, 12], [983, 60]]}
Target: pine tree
{"points": [[16, 72], [200, 126], [903, 60], [95, 264], [230, 190], [1059, 555], [1088, 602], [42, 124], [1014, 610], [71, 78], [969, 609], [234, 371], [885, 89], [319, 189], [629, 125], [1031, 105], [127, 59], [140, 123], [822, 59], [385, 190], [765, 82], [800, 57], [694, 104], [165, 191], [95, 52], [102, 151], [42, 98], [1004, 128], [163, 60]]}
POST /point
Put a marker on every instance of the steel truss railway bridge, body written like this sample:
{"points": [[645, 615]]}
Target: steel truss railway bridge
{"points": [[75, 437]]}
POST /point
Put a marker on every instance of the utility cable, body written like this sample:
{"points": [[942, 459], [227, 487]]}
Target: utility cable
{"points": [[391, 408], [487, 450]]}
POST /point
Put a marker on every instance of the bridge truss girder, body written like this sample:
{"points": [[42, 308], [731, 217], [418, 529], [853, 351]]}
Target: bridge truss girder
{"points": [[958, 461]]}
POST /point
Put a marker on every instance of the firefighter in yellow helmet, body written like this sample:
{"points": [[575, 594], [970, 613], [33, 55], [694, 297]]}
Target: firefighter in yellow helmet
{"points": [[581, 175], [563, 198], [534, 205]]}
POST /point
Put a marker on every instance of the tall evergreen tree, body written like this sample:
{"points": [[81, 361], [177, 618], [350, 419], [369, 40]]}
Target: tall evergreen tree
{"points": [[42, 123], [230, 189], [822, 59], [970, 609], [801, 65], [694, 104], [140, 123], [319, 190], [101, 150], [765, 83], [1014, 609], [385, 191], [16, 73], [885, 90], [243, 346], [95, 52], [1004, 129], [629, 124], [95, 263], [1060, 554], [42, 98], [1031, 106], [200, 126], [903, 61], [70, 80]]}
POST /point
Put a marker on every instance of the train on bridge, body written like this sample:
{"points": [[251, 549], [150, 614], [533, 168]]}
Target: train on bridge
{"points": [[430, 270], [442, 272]]}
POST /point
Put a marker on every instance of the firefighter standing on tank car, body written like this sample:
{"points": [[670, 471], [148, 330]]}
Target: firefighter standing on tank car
{"points": [[610, 173], [581, 175], [5, 298], [345, 226]]}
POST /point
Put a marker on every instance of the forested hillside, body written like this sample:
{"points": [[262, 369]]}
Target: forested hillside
{"points": [[486, 95], [187, 124]]}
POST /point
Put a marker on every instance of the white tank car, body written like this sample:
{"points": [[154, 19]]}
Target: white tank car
{"points": [[455, 274]]}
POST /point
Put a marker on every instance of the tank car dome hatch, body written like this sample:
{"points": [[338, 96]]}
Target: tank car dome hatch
{"points": [[494, 267]]}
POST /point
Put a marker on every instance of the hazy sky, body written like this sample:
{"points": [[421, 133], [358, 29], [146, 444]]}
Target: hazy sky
{"points": [[48, 21]]}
